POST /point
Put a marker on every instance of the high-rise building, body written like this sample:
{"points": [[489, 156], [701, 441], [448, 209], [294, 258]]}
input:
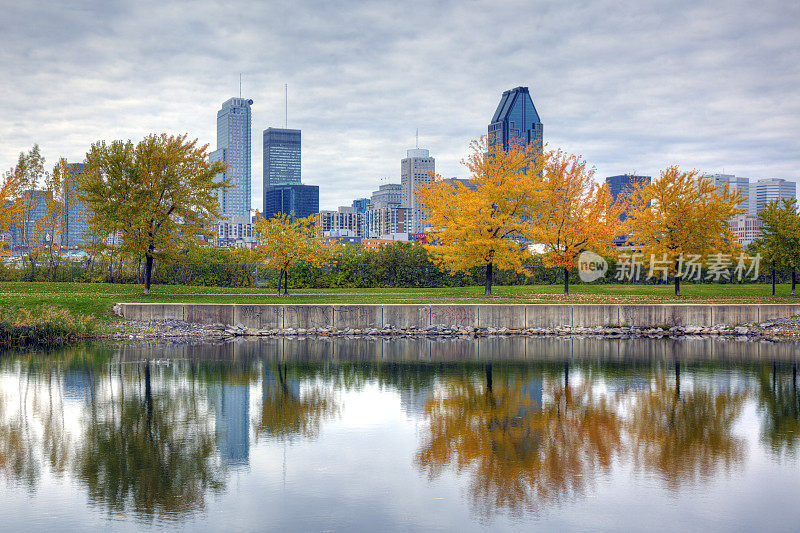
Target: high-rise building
{"points": [[415, 170], [361, 204], [281, 157], [768, 190], [233, 147], [515, 119], [76, 212], [624, 183], [299, 200], [747, 228], [387, 195], [736, 183], [23, 232]]}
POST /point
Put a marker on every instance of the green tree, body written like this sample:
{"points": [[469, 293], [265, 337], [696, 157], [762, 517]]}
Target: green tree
{"points": [[30, 171], [779, 244], [158, 195]]}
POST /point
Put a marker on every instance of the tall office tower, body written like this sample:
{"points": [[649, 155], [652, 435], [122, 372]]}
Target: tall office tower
{"points": [[515, 118], [735, 183], [387, 195], [624, 183], [768, 190], [281, 157], [361, 204], [415, 170], [76, 213], [233, 147], [231, 403], [299, 200]]}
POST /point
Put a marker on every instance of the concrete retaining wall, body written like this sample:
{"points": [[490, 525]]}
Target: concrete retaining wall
{"points": [[341, 316]]}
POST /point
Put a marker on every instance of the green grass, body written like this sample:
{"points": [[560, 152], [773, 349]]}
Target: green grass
{"points": [[97, 299]]}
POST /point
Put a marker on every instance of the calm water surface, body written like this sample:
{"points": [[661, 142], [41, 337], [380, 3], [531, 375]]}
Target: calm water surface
{"points": [[402, 435]]}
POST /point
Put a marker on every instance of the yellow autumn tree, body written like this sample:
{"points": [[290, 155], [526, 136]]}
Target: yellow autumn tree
{"points": [[485, 223], [576, 213], [9, 201], [681, 216], [284, 240], [50, 227]]}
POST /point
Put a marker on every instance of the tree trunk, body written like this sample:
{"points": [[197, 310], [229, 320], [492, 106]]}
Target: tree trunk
{"points": [[286, 282], [677, 285], [489, 273], [677, 378], [489, 378], [773, 279], [280, 278], [148, 272], [566, 282], [793, 281]]}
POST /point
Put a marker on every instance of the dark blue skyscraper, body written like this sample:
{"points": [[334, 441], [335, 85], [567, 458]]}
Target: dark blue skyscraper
{"points": [[281, 157], [515, 118], [624, 183], [300, 200]]}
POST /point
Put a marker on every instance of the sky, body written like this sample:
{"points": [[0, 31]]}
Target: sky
{"points": [[631, 87]]}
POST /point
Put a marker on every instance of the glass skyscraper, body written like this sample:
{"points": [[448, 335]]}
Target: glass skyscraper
{"points": [[281, 157], [233, 147], [515, 118], [76, 213], [415, 170], [624, 183], [299, 200]]}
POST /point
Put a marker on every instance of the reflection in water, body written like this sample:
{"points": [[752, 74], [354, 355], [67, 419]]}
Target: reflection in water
{"points": [[152, 433]]}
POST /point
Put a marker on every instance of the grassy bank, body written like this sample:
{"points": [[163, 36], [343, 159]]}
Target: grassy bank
{"points": [[96, 300], [43, 326]]}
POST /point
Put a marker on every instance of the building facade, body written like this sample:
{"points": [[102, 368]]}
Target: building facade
{"points": [[387, 195], [234, 148], [747, 228], [299, 200], [736, 183], [415, 170], [281, 157], [515, 118], [624, 183], [769, 190], [76, 212]]}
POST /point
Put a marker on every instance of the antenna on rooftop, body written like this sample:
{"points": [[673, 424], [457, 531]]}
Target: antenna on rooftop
{"points": [[286, 106], [240, 85], [417, 137]]}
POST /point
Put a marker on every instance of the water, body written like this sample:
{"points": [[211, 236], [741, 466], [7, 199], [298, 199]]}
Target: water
{"points": [[402, 435]]}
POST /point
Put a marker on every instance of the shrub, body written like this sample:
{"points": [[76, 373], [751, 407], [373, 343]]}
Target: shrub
{"points": [[45, 325]]}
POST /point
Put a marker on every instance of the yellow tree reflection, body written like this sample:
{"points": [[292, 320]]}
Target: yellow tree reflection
{"points": [[286, 411], [519, 455], [683, 436]]}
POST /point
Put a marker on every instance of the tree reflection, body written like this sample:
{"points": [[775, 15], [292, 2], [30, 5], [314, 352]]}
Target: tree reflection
{"points": [[286, 411], [682, 435], [155, 453], [18, 458], [520, 453], [780, 404]]}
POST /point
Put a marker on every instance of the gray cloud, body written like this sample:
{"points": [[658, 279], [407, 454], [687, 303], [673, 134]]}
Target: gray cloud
{"points": [[637, 86]]}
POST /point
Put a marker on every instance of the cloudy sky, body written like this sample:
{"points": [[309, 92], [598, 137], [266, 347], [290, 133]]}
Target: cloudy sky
{"points": [[631, 87]]}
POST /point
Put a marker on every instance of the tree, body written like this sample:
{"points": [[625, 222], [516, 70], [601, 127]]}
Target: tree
{"points": [[486, 222], [10, 204], [284, 240], [779, 243], [678, 215], [50, 227], [159, 195], [30, 170], [577, 214]]}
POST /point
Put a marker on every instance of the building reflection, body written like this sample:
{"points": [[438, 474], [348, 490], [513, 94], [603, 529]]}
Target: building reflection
{"points": [[231, 403]]}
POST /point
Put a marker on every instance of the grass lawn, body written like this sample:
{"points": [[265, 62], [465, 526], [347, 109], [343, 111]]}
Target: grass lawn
{"points": [[97, 299]]}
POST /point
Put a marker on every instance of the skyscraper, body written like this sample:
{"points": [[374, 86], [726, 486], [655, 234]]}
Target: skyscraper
{"points": [[299, 200], [415, 170], [768, 190], [233, 147], [735, 183], [515, 118], [281, 157], [76, 213], [624, 183]]}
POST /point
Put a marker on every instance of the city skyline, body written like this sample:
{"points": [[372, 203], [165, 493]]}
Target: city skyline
{"points": [[631, 104]]}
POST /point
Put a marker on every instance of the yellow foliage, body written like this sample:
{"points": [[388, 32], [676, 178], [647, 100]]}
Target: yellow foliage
{"points": [[682, 213], [577, 214], [10, 201], [283, 240], [477, 225]]}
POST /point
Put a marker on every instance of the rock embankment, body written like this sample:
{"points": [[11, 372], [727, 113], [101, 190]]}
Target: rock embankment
{"points": [[779, 329]]}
